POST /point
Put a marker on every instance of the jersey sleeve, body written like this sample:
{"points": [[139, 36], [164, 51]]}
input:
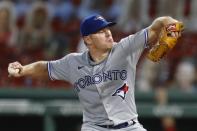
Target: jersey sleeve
{"points": [[137, 41], [135, 44], [59, 69]]}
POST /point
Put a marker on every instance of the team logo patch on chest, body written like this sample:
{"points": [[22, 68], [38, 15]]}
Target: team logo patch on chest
{"points": [[121, 91]]}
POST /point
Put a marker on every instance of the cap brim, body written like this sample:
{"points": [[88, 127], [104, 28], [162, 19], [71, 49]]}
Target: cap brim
{"points": [[109, 24]]}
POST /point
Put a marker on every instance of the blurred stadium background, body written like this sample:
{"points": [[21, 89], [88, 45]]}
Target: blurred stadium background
{"points": [[32, 30]]}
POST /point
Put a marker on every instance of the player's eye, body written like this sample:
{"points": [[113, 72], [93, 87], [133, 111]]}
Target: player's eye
{"points": [[101, 31]]}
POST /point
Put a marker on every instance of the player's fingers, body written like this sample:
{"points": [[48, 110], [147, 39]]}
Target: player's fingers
{"points": [[11, 65], [15, 72], [173, 34], [177, 34], [16, 65]]}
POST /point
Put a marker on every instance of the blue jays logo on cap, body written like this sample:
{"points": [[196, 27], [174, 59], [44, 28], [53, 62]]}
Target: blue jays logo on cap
{"points": [[99, 18], [93, 24], [121, 91]]}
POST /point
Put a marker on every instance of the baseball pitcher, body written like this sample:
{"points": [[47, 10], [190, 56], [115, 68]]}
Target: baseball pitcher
{"points": [[104, 75]]}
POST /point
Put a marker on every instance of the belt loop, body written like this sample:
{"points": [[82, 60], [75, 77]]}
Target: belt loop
{"points": [[133, 122]]}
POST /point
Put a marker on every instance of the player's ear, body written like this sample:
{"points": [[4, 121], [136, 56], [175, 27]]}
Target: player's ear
{"points": [[87, 40]]}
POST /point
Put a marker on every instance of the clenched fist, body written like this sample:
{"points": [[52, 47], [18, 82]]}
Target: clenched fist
{"points": [[14, 69]]}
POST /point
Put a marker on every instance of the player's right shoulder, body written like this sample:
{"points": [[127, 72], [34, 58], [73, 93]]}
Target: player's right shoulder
{"points": [[74, 55], [69, 58]]}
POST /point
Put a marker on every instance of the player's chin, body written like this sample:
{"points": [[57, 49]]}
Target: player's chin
{"points": [[109, 45], [110, 42]]}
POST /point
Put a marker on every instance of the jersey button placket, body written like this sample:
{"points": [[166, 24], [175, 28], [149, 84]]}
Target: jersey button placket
{"points": [[94, 72]]}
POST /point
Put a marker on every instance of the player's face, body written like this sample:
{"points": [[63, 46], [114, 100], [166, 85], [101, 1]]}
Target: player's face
{"points": [[102, 40]]}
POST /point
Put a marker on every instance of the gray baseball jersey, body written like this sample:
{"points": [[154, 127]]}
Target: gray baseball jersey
{"points": [[105, 90]]}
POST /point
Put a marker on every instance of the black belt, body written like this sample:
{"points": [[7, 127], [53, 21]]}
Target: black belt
{"points": [[119, 126]]}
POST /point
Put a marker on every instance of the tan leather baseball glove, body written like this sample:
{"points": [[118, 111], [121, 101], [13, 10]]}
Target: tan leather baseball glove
{"points": [[166, 41]]}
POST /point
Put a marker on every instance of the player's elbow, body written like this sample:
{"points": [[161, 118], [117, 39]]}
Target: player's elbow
{"points": [[42, 70]]}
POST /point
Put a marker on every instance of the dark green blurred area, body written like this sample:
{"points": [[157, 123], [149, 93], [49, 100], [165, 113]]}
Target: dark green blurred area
{"points": [[47, 109]]}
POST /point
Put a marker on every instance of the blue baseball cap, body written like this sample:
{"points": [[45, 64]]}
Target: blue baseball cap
{"points": [[94, 23]]}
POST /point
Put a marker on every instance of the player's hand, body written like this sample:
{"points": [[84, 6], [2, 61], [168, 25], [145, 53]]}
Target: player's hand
{"points": [[175, 29], [14, 69], [172, 28]]}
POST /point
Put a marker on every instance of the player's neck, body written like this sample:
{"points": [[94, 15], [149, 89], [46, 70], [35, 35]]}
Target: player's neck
{"points": [[97, 56]]}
